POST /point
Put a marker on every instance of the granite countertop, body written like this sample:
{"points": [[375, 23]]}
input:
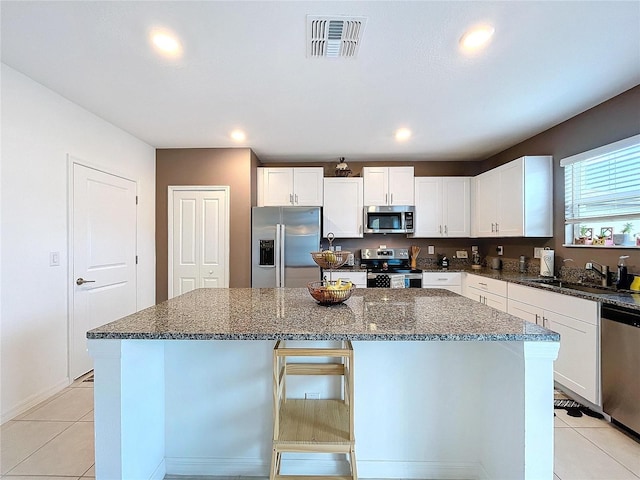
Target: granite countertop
{"points": [[628, 299], [292, 314]]}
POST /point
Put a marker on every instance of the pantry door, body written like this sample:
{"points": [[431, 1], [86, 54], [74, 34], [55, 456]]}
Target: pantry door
{"points": [[198, 238], [103, 255]]}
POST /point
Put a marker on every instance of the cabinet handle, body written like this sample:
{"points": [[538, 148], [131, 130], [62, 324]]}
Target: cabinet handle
{"points": [[537, 316], [483, 284], [296, 197], [445, 230], [544, 322], [442, 279], [291, 198], [440, 228], [492, 230], [497, 228]]}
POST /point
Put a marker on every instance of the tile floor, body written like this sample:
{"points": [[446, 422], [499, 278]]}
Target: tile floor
{"points": [[54, 441]]}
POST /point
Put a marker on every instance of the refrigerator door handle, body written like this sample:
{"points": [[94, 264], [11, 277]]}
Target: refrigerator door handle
{"points": [[282, 237], [278, 252]]}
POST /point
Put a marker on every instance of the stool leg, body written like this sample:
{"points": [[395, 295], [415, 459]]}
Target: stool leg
{"points": [[275, 457], [352, 461]]}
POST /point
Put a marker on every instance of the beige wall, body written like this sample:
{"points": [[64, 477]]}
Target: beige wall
{"points": [[606, 123], [611, 121], [208, 166]]}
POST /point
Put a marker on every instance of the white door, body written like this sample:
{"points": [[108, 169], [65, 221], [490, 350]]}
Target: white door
{"points": [[428, 221], [342, 211], [278, 187], [104, 256], [198, 239], [376, 184], [400, 181], [456, 206]]}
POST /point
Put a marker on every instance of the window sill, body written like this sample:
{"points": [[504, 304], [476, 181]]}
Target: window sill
{"points": [[627, 247]]}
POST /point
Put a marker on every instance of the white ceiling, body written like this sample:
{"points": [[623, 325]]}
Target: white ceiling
{"points": [[245, 66]]}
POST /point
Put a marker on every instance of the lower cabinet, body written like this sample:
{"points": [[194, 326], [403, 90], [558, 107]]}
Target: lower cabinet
{"points": [[451, 281], [487, 291], [359, 279], [577, 322]]}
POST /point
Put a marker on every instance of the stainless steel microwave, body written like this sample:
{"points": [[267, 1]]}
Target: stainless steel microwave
{"points": [[389, 219]]}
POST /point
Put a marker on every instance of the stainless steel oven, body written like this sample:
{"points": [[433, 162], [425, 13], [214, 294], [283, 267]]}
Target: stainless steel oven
{"points": [[389, 268]]}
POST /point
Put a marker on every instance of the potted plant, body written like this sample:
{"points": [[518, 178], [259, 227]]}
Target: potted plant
{"points": [[625, 237], [626, 230]]}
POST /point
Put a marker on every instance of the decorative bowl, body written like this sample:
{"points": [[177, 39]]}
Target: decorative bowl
{"points": [[324, 294], [331, 259]]}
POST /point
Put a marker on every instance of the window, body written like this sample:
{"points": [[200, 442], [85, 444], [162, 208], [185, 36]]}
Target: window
{"points": [[602, 195]]}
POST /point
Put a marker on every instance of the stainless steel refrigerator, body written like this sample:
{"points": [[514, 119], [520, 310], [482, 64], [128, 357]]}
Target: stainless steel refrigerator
{"points": [[282, 239]]}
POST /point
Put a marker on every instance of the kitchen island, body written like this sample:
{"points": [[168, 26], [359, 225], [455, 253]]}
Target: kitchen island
{"points": [[444, 387]]}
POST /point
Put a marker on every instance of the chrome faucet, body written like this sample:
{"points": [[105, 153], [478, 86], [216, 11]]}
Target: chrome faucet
{"points": [[603, 271]]}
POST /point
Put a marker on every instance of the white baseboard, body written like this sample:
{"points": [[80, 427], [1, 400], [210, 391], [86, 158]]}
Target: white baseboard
{"points": [[34, 400], [160, 472], [366, 468]]}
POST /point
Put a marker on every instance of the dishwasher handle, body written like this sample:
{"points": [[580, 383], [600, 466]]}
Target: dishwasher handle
{"points": [[619, 314]]}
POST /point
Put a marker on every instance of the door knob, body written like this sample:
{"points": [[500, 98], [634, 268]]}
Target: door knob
{"points": [[82, 281]]}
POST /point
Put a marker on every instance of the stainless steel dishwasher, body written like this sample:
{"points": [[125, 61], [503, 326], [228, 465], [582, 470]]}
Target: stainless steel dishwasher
{"points": [[620, 364]]}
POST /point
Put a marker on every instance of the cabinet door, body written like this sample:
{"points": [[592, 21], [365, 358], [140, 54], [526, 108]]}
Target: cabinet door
{"points": [[456, 206], [401, 186], [343, 210], [510, 211], [486, 198], [308, 186], [277, 187], [428, 221], [359, 279], [375, 185], [526, 312], [577, 364]]}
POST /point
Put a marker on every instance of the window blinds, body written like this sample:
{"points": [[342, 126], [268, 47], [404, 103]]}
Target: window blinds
{"points": [[603, 183]]}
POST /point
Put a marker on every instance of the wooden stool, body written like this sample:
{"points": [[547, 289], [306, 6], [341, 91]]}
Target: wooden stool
{"points": [[312, 426]]}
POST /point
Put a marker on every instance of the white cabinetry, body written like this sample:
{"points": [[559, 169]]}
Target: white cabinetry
{"points": [[342, 212], [442, 207], [282, 187], [359, 279], [451, 281], [487, 291], [388, 185], [577, 322], [515, 199]]}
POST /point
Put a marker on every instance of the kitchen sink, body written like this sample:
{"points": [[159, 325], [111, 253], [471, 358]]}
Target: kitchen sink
{"points": [[575, 286]]}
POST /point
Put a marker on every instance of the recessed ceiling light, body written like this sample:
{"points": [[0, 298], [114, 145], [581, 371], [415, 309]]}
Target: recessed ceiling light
{"points": [[476, 38], [166, 43], [403, 134], [238, 136]]}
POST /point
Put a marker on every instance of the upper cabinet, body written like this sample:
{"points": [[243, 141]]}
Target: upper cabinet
{"points": [[514, 200], [388, 185], [443, 207], [342, 212], [284, 187]]}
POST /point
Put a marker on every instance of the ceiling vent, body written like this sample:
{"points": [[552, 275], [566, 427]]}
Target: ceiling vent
{"points": [[333, 36]]}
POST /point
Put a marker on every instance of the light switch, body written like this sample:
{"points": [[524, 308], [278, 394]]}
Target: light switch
{"points": [[431, 249], [54, 259]]}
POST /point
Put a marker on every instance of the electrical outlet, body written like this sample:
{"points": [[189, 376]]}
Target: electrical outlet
{"points": [[500, 250], [588, 266], [474, 248], [537, 252], [312, 396], [431, 249]]}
